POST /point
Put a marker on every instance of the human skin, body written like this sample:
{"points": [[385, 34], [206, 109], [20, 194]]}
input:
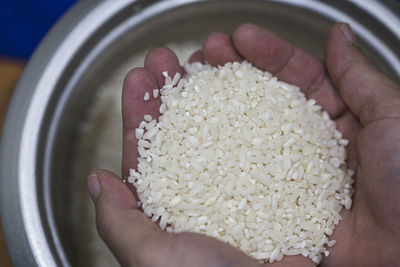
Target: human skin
{"points": [[365, 106]]}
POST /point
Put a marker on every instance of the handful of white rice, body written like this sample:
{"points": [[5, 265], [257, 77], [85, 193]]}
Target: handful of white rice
{"points": [[245, 158]]}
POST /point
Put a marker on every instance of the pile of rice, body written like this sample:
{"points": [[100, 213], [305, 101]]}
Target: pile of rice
{"points": [[245, 158]]}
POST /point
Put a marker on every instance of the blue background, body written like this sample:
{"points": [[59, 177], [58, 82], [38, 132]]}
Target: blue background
{"points": [[23, 23]]}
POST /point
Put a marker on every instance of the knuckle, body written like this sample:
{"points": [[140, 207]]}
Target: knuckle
{"points": [[317, 82], [134, 74], [102, 227], [287, 61], [149, 246], [103, 223]]}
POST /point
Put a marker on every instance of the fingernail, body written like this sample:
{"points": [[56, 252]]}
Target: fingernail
{"points": [[347, 32], [93, 185]]}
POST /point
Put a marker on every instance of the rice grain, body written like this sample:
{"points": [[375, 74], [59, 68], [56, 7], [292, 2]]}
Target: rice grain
{"points": [[238, 155]]}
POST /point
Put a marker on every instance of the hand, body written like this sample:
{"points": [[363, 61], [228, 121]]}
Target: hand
{"points": [[369, 227], [366, 107], [131, 236]]}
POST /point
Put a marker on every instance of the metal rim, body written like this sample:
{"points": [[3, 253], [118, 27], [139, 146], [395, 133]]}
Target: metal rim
{"points": [[20, 203]]}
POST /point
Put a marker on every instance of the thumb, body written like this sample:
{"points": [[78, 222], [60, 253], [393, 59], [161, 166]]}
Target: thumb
{"points": [[122, 226], [368, 93]]}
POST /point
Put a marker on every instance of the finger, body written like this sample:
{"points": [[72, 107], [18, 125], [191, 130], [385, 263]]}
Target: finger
{"points": [[349, 126], [289, 261], [197, 56], [136, 241], [162, 59], [289, 63], [120, 224], [195, 250], [218, 49], [137, 82], [134, 107], [370, 95]]}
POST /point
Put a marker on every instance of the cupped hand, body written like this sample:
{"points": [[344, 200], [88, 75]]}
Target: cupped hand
{"points": [[364, 104], [366, 108], [131, 236]]}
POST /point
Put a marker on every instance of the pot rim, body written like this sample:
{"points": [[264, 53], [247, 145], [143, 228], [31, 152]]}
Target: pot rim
{"points": [[24, 228]]}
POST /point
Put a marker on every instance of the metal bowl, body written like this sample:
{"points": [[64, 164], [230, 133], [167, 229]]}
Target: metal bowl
{"points": [[40, 192]]}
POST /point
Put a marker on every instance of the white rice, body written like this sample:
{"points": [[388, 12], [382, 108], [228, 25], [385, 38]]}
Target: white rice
{"points": [[146, 96], [245, 158], [155, 93]]}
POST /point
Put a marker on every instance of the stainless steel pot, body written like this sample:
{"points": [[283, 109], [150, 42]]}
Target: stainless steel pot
{"points": [[56, 89]]}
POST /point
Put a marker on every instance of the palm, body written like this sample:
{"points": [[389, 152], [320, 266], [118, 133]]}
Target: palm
{"points": [[369, 227], [368, 235]]}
